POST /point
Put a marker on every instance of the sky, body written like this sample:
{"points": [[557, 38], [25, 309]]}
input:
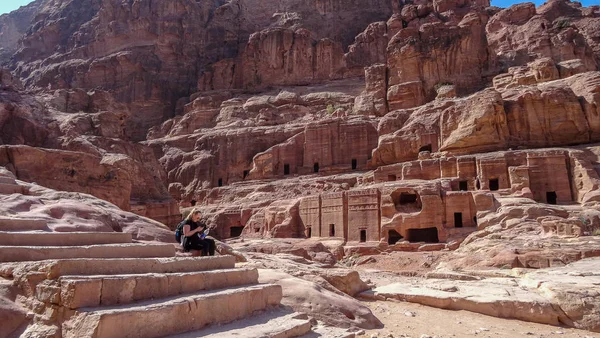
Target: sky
{"points": [[10, 5]]}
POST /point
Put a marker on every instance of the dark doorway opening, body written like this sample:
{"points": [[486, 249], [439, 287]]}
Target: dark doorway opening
{"points": [[425, 148], [475, 220], [427, 235], [308, 232], [193, 202], [494, 184], [393, 237], [477, 185], [220, 182], [354, 164], [286, 169], [257, 230], [458, 220], [235, 231], [408, 198], [363, 235], [246, 173], [316, 167], [331, 230], [391, 177], [551, 197], [463, 185]]}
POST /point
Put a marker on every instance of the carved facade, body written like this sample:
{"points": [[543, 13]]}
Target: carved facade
{"points": [[435, 199]]}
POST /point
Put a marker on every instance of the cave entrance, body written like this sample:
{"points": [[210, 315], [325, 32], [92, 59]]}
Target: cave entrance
{"points": [[427, 235], [246, 173], [463, 185], [391, 178], [363, 235], [494, 184], [551, 197], [408, 198], [235, 231], [286, 169], [458, 222], [426, 148], [393, 237]]}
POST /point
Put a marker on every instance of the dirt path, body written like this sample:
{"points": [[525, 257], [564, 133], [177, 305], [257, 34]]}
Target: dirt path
{"points": [[403, 319]]}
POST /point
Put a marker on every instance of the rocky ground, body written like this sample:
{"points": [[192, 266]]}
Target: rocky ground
{"points": [[402, 319]]}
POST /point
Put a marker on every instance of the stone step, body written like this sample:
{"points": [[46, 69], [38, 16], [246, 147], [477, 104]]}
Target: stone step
{"points": [[9, 189], [122, 266], [38, 253], [276, 323], [172, 316], [7, 180], [21, 224], [107, 290], [17, 238]]}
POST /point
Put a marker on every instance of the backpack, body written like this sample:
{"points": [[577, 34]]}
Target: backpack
{"points": [[179, 231]]}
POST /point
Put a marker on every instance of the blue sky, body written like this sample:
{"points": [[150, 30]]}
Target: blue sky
{"points": [[10, 5]]}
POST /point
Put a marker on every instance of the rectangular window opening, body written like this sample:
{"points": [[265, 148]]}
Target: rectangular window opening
{"points": [[458, 223], [494, 184], [363, 236]]}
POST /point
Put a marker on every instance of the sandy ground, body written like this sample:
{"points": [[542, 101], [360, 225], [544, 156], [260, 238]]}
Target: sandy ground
{"points": [[403, 319]]}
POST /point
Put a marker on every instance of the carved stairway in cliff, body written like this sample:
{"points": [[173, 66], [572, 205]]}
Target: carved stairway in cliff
{"points": [[103, 285]]}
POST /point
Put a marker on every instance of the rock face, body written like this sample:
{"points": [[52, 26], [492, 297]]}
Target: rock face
{"points": [[13, 26], [150, 56], [316, 128]]}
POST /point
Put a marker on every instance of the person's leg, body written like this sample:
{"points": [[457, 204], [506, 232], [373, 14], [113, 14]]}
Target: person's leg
{"points": [[205, 246], [198, 247], [211, 246]]}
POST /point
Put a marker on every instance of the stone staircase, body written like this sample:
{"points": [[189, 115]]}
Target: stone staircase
{"points": [[8, 185], [86, 284]]}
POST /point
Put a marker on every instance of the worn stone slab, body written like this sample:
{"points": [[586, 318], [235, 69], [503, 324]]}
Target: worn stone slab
{"points": [[498, 297], [19, 224], [35, 253], [85, 267], [92, 291], [9, 189], [177, 315], [275, 324], [7, 180], [22, 238]]}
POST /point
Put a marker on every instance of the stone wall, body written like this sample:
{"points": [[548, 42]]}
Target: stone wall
{"points": [[364, 215], [310, 216], [334, 215]]}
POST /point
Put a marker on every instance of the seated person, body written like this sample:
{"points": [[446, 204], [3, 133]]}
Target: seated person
{"points": [[195, 239]]}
